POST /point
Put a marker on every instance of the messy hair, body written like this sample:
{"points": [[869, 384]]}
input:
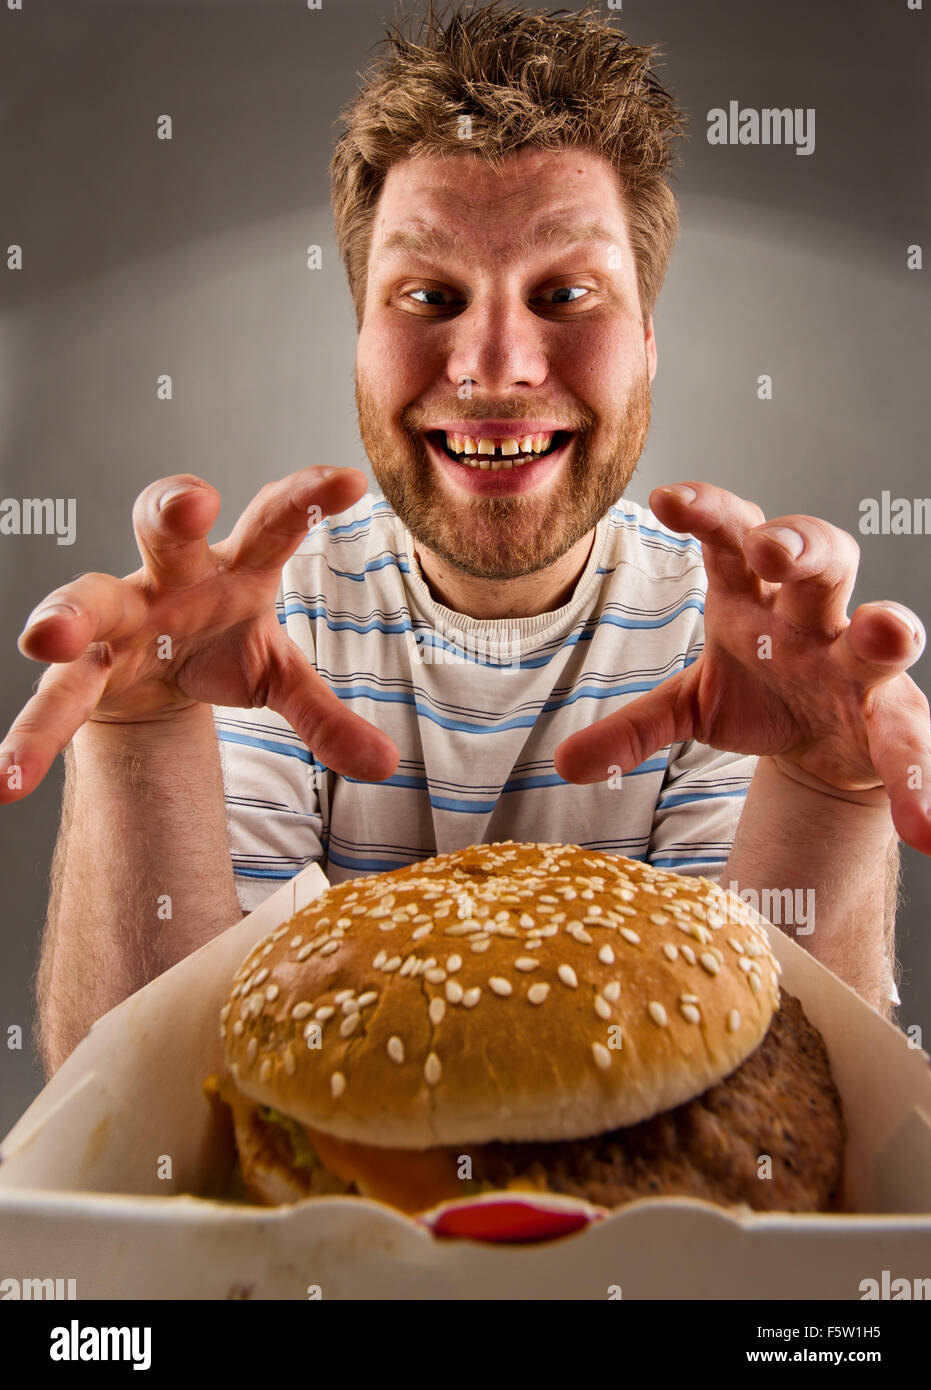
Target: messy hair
{"points": [[552, 81]]}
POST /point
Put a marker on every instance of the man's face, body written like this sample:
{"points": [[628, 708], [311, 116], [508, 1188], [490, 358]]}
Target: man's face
{"points": [[502, 308]]}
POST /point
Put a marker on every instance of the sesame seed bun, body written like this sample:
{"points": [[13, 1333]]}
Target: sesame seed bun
{"points": [[501, 992]]}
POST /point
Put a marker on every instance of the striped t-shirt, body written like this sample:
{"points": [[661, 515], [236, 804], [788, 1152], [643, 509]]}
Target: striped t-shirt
{"points": [[476, 708]]}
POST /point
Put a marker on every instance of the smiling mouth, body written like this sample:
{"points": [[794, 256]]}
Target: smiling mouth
{"points": [[484, 454]]}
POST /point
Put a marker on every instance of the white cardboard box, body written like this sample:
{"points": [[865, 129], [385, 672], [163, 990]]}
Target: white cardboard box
{"points": [[131, 1094]]}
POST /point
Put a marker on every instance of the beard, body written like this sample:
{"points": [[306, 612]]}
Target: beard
{"points": [[504, 537]]}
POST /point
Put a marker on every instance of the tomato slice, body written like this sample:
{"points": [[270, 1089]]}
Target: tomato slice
{"points": [[507, 1222]]}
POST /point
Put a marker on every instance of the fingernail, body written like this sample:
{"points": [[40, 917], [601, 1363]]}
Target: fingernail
{"points": [[784, 536], [682, 491], [905, 618], [171, 494], [52, 610], [325, 473]]}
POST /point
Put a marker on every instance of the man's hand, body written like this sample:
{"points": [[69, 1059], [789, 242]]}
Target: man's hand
{"points": [[195, 623], [783, 672]]}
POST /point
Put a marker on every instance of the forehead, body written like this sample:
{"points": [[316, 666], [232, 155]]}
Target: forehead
{"points": [[436, 205]]}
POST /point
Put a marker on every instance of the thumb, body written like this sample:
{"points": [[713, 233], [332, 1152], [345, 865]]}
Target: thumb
{"points": [[626, 738]]}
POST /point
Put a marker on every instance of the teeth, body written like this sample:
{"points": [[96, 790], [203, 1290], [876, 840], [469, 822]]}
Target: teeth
{"points": [[507, 448]]}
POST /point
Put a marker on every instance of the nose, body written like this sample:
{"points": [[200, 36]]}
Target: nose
{"points": [[497, 344]]}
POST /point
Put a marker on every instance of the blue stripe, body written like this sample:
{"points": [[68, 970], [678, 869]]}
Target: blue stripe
{"points": [[585, 635], [668, 862], [683, 800]]}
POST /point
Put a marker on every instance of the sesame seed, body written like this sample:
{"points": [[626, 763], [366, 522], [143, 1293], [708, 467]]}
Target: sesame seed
{"points": [[436, 1010], [568, 976], [472, 996], [251, 1051], [271, 994], [733, 1021], [350, 1006], [479, 946], [576, 930], [265, 1070], [256, 1004], [295, 942], [538, 992], [601, 1055], [602, 1007], [421, 932], [689, 998], [432, 1069], [688, 953], [690, 1013], [746, 965], [409, 965], [329, 948], [630, 935], [670, 952], [658, 1014], [606, 955], [660, 918], [710, 962], [262, 975], [526, 963], [290, 1065], [526, 920], [612, 990], [337, 1084], [349, 1025], [367, 998], [453, 964], [498, 985], [436, 976], [391, 965], [343, 921], [238, 1028], [755, 983], [343, 995], [395, 1048], [305, 951], [454, 991], [225, 1012], [735, 945]]}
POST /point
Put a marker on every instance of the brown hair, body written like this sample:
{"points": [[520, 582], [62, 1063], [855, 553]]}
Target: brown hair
{"points": [[548, 80]]}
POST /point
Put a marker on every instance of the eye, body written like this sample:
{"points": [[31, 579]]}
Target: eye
{"points": [[433, 298], [574, 291]]}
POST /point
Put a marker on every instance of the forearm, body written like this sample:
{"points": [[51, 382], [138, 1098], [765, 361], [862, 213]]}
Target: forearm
{"points": [[141, 875], [839, 861]]}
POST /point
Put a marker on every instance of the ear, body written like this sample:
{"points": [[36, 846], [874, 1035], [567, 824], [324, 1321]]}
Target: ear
{"points": [[649, 339]]}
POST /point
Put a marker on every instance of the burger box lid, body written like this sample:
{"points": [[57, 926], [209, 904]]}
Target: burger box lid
{"points": [[113, 1175]]}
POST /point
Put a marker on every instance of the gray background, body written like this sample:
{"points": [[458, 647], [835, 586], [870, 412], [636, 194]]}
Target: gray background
{"points": [[188, 257]]}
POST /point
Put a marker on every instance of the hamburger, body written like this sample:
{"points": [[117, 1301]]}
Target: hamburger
{"points": [[533, 1017]]}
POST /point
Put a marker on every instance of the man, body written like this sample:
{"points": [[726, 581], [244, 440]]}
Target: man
{"points": [[503, 211]]}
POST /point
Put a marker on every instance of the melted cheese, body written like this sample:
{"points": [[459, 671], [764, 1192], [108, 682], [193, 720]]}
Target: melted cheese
{"points": [[411, 1179]]}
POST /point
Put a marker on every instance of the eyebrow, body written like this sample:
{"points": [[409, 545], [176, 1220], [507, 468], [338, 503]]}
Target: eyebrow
{"points": [[553, 233]]}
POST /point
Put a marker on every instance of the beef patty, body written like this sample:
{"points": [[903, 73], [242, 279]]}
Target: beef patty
{"points": [[781, 1101]]}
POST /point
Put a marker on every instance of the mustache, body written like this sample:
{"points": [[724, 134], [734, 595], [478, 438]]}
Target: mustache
{"points": [[414, 420]]}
